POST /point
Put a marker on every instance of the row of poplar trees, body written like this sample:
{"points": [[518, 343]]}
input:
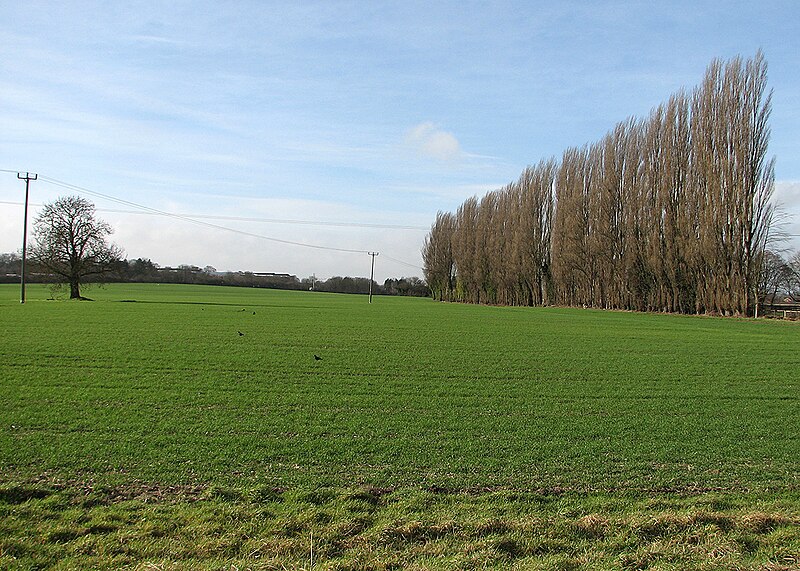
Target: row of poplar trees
{"points": [[669, 213]]}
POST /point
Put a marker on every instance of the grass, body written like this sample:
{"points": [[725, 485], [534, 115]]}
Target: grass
{"points": [[150, 400], [361, 529]]}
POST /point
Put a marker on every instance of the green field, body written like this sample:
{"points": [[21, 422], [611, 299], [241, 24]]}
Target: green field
{"points": [[151, 392]]}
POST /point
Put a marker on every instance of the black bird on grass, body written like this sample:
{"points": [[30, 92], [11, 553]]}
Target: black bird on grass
{"points": [[317, 358], [241, 334]]}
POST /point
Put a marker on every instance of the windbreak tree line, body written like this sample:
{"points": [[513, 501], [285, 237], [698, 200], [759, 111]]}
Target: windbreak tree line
{"points": [[669, 213]]}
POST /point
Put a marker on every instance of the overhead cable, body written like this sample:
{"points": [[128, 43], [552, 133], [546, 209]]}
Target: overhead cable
{"points": [[195, 219], [77, 188], [254, 219]]}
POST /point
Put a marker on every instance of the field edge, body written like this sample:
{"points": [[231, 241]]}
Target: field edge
{"points": [[210, 527]]}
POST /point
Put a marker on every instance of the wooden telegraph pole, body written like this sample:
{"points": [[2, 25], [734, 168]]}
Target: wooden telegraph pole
{"points": [[27, 178], [371, 273]]}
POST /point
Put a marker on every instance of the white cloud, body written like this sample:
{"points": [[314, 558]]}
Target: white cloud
{"points": [[169, 241], [428, 140], [787, 198], [787, 195], [178, 242], [11, 228]]}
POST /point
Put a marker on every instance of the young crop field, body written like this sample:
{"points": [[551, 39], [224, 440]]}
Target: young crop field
{"points": [[183, 427]]}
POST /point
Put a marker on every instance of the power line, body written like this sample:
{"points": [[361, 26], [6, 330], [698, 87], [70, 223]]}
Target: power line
{"points": [[416, 267], [254, 219], [309, 222], [77, 188], [194, 219]]}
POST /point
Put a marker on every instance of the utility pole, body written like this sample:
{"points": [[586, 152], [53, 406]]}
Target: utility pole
{"points": [[27, 178], [371, 273]]}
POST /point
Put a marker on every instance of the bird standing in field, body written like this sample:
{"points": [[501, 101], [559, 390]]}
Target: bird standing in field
{"points": [[241, 334], [317, 358]]}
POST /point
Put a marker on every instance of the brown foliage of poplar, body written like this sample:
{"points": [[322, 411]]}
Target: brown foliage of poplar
{"points": [[670, 213]]}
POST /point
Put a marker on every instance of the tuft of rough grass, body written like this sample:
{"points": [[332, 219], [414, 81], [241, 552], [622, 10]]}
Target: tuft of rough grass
{"points": [[359, 529]]}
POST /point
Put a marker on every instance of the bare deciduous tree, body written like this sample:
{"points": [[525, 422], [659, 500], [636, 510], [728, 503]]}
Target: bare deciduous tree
{"points": [[70, 242]]}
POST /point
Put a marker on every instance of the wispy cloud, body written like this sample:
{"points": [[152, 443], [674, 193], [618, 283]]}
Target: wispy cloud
{"points": [[153, 39], [431, 141]]}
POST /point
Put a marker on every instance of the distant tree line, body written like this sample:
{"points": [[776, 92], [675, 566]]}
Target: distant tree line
{"points": [[669, 213], [146, 271]]}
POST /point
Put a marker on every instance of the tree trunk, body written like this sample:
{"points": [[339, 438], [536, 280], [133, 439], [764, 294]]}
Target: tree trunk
{"points": [[74, 289]]}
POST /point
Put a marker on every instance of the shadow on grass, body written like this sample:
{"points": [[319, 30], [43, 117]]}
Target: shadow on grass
{"points": [[21, 494]]}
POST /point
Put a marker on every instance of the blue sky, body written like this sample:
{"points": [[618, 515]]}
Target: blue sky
{"points": [[352, 113]]}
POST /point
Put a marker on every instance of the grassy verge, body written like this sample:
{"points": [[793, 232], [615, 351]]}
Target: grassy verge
{"points": [[145, 527]]}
